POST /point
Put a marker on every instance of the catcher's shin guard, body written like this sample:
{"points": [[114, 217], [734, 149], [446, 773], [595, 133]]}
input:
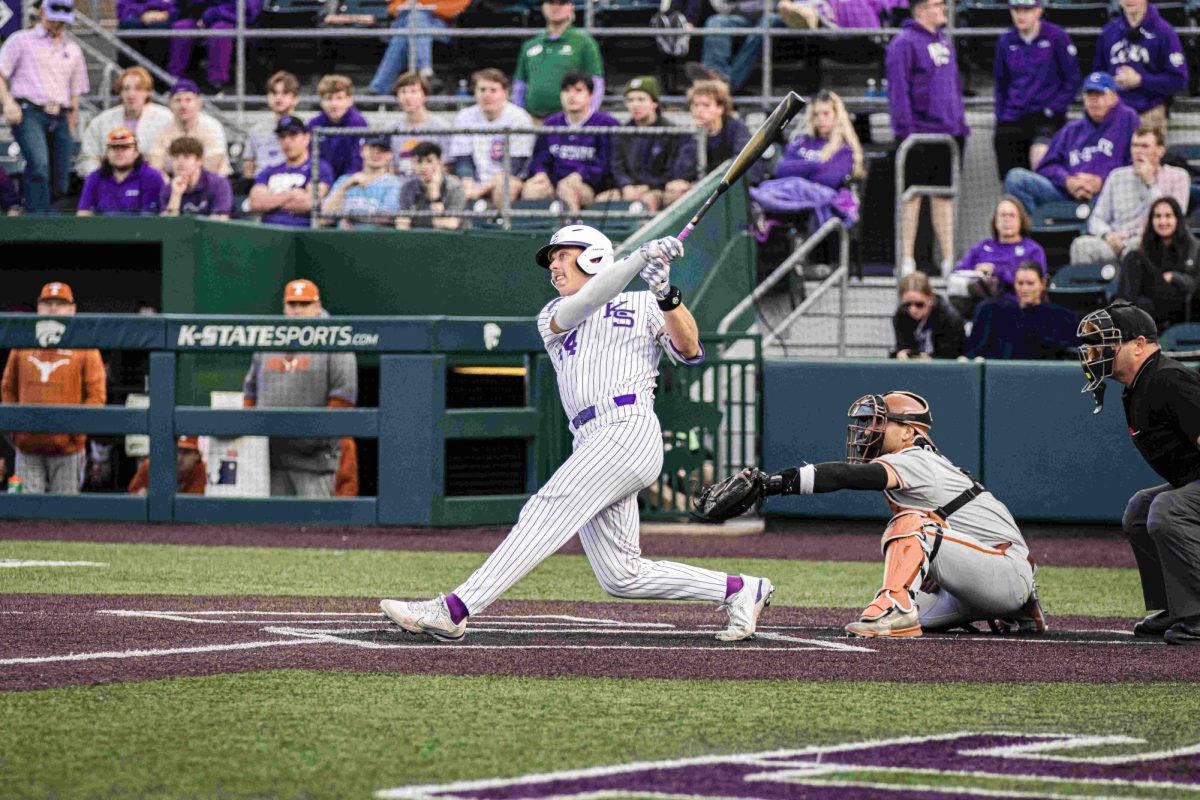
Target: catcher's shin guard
{"points": [[892, 612]]}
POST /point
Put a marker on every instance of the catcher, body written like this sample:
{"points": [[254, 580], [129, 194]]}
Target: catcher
{"points": [[952, 554]]}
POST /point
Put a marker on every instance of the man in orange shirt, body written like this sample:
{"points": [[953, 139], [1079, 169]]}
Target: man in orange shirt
{"points": [[191, 473], [52, 462]]}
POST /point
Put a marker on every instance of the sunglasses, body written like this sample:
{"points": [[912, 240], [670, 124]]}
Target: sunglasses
{"points": [[915, 304]]}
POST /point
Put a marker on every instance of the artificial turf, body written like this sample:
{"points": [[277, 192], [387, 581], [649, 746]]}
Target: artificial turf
{"points": [[295, 734], [180, 569]]}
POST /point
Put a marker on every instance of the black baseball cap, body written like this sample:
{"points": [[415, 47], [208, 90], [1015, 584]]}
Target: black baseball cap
{"points": [[384, 142], [1132, 322], [290, 124]]}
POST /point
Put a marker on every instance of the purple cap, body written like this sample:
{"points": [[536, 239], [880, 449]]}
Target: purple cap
{"points": [[1099, 82], [184, 85], [60, 11]]}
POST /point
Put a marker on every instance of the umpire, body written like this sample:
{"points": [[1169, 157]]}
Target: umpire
{"points": [[1162, 407]]}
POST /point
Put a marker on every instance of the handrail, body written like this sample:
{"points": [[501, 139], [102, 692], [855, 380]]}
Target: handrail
{"points": [[903, 195], [838, 276], [797, 256]]}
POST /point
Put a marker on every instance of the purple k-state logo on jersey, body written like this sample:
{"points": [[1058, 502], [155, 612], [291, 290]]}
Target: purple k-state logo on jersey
{"points": [[948, 765], [621, 316]]}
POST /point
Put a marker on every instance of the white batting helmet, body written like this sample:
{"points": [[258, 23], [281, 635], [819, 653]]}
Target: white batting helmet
{"points": [[597, 248]]}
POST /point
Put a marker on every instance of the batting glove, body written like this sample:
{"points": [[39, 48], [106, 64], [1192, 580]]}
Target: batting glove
{"points": [[667, 248], [657, 275]]}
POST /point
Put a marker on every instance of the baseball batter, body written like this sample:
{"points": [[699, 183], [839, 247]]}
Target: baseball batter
{"points": [[605, 344], [945, 526]]}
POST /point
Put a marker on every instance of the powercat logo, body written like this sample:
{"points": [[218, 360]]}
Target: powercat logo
{"points": [[946, 765], [273, 336], [49, 332]]}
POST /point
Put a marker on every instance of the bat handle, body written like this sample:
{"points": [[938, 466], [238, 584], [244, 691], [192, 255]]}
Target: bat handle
{"points": [[687, 231]]}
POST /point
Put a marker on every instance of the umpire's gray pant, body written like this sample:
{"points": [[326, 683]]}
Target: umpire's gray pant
{"points": [[42, 474], [1163, 527]]}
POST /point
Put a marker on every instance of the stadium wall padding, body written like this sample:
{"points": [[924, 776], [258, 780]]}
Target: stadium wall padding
{"points": [[1022, 428]]}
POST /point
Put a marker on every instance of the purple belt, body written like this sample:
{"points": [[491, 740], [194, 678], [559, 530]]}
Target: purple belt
{"points": [[589, 413]]}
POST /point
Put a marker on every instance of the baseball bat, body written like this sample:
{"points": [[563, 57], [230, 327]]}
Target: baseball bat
{"points": [[764, 136]]}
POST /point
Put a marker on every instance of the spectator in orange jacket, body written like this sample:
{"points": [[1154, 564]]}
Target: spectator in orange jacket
{"points": [[191, 473], [52, 462]]}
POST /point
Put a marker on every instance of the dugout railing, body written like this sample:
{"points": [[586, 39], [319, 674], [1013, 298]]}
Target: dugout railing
{"points": [[712, 414]]}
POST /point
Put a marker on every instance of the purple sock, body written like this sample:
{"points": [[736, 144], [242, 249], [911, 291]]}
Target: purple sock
{"points": [[733, 585], [458, 611]]}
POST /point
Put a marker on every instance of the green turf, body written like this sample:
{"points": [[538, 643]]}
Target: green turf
{"points": [[298, 734], [173, 569]]}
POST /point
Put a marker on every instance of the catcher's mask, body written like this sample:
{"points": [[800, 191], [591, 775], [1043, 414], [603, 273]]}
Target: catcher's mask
{"points": [[869, 416], [1102, 333]]}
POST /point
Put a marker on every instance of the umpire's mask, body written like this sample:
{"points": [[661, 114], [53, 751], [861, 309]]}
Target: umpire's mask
{"points": [[1103, 332], [869, 416]]}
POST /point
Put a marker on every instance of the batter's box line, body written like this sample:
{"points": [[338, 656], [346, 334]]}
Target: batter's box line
{"points": [[337, 636], [335, 617]]}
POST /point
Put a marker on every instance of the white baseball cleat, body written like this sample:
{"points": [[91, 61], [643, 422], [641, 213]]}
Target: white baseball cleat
{"points": [[431, 617], [744, 608]]}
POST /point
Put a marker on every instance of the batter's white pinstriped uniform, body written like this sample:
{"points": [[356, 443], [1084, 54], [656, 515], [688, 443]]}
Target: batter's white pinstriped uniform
{"points": [[607, 366], [983, 560]]}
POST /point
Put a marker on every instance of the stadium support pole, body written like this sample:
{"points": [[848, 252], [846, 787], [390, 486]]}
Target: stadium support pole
{"points": [[240, 80], [161, 489]]}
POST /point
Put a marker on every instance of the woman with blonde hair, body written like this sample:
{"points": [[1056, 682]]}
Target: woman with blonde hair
{"points": [[926, 326], [816, 167]]}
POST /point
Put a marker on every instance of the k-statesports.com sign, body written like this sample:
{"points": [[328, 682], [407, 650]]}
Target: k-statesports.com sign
{"points": [[286, 336]]}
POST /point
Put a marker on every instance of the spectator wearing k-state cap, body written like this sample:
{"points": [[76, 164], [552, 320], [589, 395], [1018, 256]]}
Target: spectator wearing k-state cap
{"points": [[190, 120], [573, 167], [283, 94], [369, 197], [282, 193], [42, 76], [191, 473], [125, 183], [925, 96], [339, 151], [302, 466], [136, 112], [641, 164], [52, 462], [429, 188], [546, 59], [1037, 76], [194, 190], [1142, 52], [1083, 152]]}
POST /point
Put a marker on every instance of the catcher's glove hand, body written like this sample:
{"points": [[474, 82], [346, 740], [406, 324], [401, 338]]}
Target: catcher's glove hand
{"points": [[731, 497]]}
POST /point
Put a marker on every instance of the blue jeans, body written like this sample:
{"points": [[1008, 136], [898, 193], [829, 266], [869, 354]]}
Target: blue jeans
{"points": [[395, 58], [718, 50], [1031, 188], [48, 147]]}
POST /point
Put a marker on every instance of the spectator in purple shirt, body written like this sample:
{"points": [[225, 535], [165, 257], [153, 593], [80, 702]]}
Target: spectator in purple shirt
{"points": [[832, 13], [42, 75], [10, 199], [207, 15], [1081, 154], [282, 193], [147, 15], [1142, 52], [925, 96], [124, 184], [341, 153], [194, 190], [1037, 76], [989, 268], [573, 167]]}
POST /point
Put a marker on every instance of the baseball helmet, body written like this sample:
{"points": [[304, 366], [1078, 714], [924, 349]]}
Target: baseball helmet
{"points": [[869, 416], [597, 248], [1103, 332]]}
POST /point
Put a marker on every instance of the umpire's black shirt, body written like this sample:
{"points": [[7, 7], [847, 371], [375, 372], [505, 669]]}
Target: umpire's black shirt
{"points": [[1162, 406]]}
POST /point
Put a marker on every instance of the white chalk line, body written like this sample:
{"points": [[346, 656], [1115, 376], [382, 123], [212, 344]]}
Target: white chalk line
{"points": [[174, 651], [14, 563]]}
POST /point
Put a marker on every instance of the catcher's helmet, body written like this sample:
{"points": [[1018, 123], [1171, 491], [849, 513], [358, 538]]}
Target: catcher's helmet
{"points": [[869, 416], [597, 248], [1103, 332]]}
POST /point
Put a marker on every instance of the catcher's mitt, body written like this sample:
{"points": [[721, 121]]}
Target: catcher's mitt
{"points": [[730, 498]]}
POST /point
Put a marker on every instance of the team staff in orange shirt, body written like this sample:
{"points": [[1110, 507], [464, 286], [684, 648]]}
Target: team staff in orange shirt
{"points": [[53, 462]]}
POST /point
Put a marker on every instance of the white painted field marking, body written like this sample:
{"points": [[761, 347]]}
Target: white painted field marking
{"points": [[334, 617], [13, 563], [827, 644], [120, 654], [1035, 751]]}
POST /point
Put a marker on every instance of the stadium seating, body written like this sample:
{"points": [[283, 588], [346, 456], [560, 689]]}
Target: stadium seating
{"points": [[1184, 336], [1083, 287], [1059, 216]]}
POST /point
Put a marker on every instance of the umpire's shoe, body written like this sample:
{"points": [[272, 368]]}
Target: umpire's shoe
{"points": [[431, 617], [1185, 631], [1155, 625], [744, 608]]}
